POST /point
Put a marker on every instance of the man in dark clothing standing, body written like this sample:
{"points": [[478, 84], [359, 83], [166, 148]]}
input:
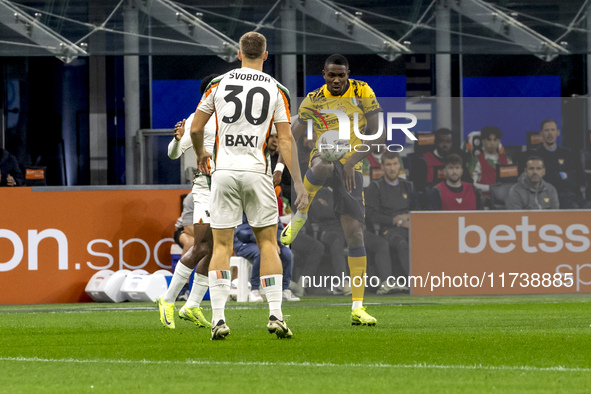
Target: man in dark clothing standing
{"points": [[563, 167]]}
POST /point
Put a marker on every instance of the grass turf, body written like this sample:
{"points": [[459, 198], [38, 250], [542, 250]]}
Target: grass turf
{"points": [[488, 344]]}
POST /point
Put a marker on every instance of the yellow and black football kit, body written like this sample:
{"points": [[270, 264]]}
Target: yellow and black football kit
{"points": [[359, 98]]}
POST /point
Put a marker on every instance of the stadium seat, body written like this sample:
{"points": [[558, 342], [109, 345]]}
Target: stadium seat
{"points": [[244, 267], [35, 176], [425, 142], [140, 286], [507, 173], [105, 286]]}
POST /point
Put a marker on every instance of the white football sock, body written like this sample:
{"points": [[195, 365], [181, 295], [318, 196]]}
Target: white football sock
{"points": [[219, 288], [272, 288], [357, 304], [179, 278], [200, 286]]}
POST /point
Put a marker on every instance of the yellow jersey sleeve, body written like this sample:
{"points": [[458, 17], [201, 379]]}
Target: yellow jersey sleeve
{"points": [[369, 101]]}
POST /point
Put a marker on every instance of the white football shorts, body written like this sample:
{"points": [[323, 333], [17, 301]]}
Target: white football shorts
{"points": [[234, 192], [201, 194]]}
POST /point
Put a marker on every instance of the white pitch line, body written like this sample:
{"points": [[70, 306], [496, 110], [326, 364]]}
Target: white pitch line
{"points": [[302, 364]]}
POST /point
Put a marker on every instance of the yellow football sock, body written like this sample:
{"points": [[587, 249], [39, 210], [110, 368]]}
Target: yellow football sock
{"points": [[357, 269], [311, 189]]}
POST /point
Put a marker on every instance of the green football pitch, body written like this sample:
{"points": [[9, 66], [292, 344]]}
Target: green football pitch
{"points": [[487, 344]]}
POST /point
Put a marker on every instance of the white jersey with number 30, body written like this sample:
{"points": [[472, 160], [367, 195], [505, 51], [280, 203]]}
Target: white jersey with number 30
{"points": [[246, 103]]}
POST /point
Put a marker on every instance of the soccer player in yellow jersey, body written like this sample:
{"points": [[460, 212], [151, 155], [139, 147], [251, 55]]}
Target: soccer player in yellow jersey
{"points": [[348, 96]]}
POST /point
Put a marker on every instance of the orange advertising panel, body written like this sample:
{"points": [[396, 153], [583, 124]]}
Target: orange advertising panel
{"points": [[500, 252], [52, 242]]}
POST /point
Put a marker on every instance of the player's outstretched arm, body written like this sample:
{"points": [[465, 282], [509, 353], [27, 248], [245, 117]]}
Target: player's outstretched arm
{"points": [[197, 136], [289, 150]]}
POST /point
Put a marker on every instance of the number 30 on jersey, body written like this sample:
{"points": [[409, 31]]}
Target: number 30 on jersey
{"points": [[232, 96]]}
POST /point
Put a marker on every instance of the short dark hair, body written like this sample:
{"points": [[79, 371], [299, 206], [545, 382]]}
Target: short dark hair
{"points": [[490, 130], [388, 155], [548, 121], [253, 45], [440, 132], [532, 158], [453, 159], [206, 81], [339, 60]]}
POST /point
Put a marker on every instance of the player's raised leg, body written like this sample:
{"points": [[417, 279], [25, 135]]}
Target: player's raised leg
{"points": [[219, 280], [313, 181], [357, 260]]}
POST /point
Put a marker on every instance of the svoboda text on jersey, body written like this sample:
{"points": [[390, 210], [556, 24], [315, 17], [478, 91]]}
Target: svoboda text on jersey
{"points": [[250, 77]]}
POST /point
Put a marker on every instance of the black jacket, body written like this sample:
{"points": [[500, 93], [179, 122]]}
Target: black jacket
{"points": [[9, 165], [383, 201], [561, 160]]}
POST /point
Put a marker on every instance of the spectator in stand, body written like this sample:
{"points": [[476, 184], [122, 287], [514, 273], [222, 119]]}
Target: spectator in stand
{"points": [[389, 201], [483, 167], [443, 147], [531, 191], [422, 173], [563, 167], [453, 194], [10, 171]]}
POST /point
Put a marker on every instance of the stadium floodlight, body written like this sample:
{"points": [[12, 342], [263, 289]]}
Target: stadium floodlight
{"points": [[507, 26], [353, 27], [192, 27], [30, 27]]}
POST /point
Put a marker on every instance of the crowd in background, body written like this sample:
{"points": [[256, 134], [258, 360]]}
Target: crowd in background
{"points": [[479, 174]]}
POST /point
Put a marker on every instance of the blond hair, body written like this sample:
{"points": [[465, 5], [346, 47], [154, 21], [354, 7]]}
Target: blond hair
{"points": [[253, 45]]}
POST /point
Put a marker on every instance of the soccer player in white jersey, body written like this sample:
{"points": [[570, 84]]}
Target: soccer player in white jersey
{"points": [[245, 102], [200, 254]]}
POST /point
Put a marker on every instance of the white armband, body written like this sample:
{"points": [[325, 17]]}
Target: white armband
{"points": [[279, 167]]}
